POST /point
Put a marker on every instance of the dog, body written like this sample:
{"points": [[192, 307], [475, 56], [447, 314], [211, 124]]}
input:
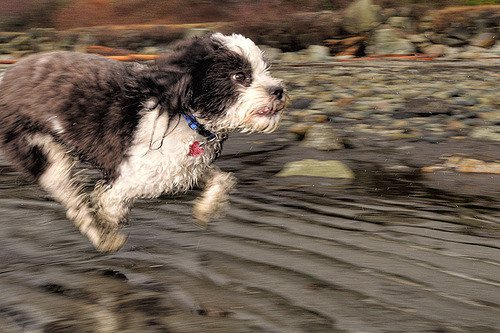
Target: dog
{"points": [[149, 128]]}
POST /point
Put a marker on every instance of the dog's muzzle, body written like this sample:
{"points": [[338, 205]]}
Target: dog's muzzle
{"points": [[277, 101]]}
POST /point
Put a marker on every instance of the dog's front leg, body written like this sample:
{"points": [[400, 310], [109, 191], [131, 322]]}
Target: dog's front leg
{"points": [[217, 184]]}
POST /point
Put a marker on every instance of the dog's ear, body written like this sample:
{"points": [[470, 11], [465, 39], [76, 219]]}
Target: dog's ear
{"points": [[189, 54]]}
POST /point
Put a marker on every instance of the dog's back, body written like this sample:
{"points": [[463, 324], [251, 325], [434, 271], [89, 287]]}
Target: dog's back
{"points": [[68, 97]]}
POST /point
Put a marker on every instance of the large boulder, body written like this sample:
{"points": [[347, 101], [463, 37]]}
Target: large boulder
{"points": [[361, 16]]}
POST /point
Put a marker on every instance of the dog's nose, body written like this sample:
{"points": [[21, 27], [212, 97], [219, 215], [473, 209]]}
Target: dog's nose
{"points": [[277, 91]]}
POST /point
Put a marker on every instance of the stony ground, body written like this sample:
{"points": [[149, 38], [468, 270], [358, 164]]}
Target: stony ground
{"points": [[425, 117], [410, 244]]}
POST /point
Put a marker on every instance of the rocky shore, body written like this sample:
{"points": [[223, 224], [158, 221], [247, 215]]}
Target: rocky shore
{"points": [[438, 121], [362, 29]]}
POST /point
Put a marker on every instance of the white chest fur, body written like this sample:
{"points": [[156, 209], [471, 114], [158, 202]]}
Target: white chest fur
{"points": [[159, 159]]}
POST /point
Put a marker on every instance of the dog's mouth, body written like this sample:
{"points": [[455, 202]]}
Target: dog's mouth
{"points": [[272, 110]]}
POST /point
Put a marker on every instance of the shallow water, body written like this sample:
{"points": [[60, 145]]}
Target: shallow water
{"points": [[388, 252]]}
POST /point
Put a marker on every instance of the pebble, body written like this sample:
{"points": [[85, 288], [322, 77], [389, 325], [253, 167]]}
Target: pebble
{"points": [[301, 102], [431, 100]]}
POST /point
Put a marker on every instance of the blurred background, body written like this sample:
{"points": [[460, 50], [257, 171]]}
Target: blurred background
{"points": [[374, 208]]}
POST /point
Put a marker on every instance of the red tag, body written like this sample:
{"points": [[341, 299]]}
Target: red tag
{"points": [[195, 149]]}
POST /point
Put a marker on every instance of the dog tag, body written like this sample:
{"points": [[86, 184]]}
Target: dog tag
{"points": [[195, 149]]}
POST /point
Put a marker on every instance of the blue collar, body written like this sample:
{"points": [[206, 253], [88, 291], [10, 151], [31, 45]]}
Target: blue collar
{"points": [[195, 125]]}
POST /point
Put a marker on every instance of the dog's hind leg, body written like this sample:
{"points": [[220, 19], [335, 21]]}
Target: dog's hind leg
{"points": [[111, 204], [56, 178]]}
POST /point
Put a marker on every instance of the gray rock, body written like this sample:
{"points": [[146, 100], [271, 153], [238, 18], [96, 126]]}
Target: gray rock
{"points": [[489, 133], [417, 39], [465, 101], [318, 53], [461, 33], [361, 16], [389, 41], [301, 102], [315, 168], [484, 39], [403, 23], [322, 137], [435, 50], [454, 42]]}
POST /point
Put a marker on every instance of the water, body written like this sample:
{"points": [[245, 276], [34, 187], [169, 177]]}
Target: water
{"points": [[388, 252]]}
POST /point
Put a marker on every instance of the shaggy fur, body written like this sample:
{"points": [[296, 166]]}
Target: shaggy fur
{"points": [[129, 121]]}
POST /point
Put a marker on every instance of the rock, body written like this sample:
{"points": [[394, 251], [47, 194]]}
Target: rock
{"points": [[490, 133], [417, 39], [318, 53], [495, 50], [361, 16], [403, 23], [454, 42], [455, 126], [406, 133], [299, 129], [389, 41], [435, 50], [484, 39], [464, 101], [491, 116], [465, 164], [6, 37], [426, 107], [21, 43], [319, 118], [344, 56], [315, 168], [473, 52], [461, 33], [322, 137], [301, 102]]}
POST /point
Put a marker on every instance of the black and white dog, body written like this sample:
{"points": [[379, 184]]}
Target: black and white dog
{"points": [[150, 129]]}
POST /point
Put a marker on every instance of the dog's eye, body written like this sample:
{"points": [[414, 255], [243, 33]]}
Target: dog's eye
{"points": [[239, 77]]}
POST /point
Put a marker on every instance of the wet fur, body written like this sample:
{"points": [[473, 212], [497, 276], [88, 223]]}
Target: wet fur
{"points": [[126, 119]]}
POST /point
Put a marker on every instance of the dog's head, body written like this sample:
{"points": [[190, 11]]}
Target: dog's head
{"points": [[229, 85]]}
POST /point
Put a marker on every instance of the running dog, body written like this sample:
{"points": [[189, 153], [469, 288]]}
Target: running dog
{"points": [[150, 129]]}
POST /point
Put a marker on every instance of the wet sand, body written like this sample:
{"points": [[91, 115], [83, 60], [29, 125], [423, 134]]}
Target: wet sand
{"points": [[394, 250]]}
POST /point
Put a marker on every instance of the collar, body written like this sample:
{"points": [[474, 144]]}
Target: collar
{"points": [[195, 125]]}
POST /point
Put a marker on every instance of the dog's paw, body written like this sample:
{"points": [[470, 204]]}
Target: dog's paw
{"points": [[202, 213], [205, 210], [105, 239], [111, 240]]}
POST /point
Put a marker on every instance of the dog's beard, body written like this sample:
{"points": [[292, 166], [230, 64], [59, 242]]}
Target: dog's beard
{"points": [[253, 111]]}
